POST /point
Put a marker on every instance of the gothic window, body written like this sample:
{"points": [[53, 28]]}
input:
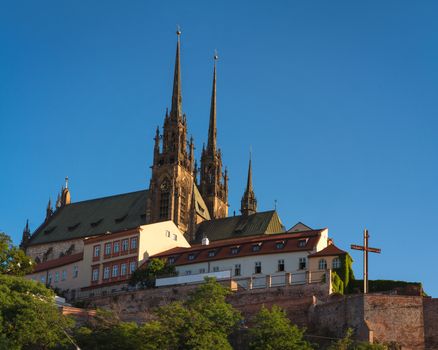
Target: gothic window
{"points": [[322, 265], [183, 205], [164, 199]]}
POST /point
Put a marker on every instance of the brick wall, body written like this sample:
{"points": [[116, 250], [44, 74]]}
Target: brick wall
{"points": [[430, 315]]}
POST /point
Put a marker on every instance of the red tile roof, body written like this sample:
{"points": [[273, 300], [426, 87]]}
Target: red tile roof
{"points": [[330, 250], [222, 249], [65, 260]]}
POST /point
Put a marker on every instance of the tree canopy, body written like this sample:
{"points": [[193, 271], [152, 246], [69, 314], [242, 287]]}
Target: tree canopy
{"points": [[13, 261], [155, 268]]}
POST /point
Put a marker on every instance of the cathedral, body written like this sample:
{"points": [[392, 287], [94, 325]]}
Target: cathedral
{"points": [[194, 198]]}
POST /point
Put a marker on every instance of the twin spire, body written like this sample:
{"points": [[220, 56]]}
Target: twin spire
{"points": [[248, 204], [176, 109]]}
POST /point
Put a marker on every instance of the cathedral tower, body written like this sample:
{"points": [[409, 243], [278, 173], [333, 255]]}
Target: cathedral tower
{"points": [[171, 185], [249, 202], [214, 183]]}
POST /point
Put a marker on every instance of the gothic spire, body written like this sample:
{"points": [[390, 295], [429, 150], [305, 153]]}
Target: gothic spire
{"points": [[211, 144], [249, 201], [26, 235], [49, 210], [176, 109]]}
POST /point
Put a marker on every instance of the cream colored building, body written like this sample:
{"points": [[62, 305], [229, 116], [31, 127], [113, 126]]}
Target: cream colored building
{"points": [[108, 259]]}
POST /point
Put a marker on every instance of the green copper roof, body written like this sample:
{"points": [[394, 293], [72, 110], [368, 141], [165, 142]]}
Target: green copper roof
{"points": [[239, 226], [94, 217]]}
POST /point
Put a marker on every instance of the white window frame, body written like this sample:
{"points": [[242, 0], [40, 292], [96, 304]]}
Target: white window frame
{"points": [[115, 271], [123, 269], [95, 275], [106, 272], [322, 264]]}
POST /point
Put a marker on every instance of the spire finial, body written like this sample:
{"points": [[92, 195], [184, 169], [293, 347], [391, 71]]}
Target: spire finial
{"points": [[249, 201], [66, 182], [176, 109], [211, 144]]}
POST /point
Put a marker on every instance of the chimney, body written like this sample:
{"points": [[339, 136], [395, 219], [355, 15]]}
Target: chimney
{"points": [[205, 241]]}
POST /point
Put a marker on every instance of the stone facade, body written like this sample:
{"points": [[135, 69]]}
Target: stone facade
{"points": [[54, 250]]}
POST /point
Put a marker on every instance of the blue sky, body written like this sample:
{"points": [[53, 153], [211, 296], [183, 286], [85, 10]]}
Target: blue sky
{"points": [[338, 101]]}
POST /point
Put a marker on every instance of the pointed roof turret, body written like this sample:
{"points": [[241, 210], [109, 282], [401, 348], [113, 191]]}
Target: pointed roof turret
{"points": [[176, 109], [249, 201], [26, 235], [211, 144], [49, 210]]}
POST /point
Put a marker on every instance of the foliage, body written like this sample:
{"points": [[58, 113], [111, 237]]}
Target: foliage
{"points": [[404, 287], [337, 283], [13, 261], [155, 268], [203, 322], [274, 331], [347, 343], [345, 274], [29, 318]]}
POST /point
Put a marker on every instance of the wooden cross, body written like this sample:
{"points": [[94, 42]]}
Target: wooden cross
{"points": [[365, 248]]}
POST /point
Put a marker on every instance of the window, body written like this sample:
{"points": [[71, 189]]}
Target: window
{"points": [[336, 264], [191, 257], [115, 271], [171, 260], [56, 276], [258, 267], [302, 243], [215, 268], [49, 278], [202, 270], [188, 272], [132, 266], [125, 245], [116, 247], [167, 232], [164, 204], [281, 265], [234, 250], [211, 253], [123, 269], [134, 243], [279, 245], [237, 270], [322, 265], [302, 264], [106, 272], [108, 249], [75, 271], [43, 279], [175, 237], [64, 275], [96, 252], [183, 206], [256, 247], [95, 275]]}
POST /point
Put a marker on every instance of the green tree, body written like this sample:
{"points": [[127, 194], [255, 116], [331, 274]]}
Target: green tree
{"points": [[347, 343], [272, 330], [29, 318], [155, 268], [13, 261]]}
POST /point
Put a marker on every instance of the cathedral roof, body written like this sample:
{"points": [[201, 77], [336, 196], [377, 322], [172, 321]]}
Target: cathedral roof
{"points": [[200, 206], [93, 217], [266, 222]]}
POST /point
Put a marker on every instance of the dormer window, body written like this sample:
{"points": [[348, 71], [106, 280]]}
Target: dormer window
{"points": [[191, 256], [302, 242], [234, 250], [279, 245], [171, 260], [256, 247], [211, 253]]}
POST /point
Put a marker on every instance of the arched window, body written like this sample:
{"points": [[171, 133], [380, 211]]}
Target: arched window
{"points": [[164, 199], [322, 265], [336, 264]]}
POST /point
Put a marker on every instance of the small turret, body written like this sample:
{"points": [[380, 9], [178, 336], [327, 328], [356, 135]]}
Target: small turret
{"points": [[26, 235], [249, 201], [49, 210]]}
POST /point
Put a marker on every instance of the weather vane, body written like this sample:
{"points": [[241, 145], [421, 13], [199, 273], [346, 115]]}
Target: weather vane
{"points": [[215, 57], [178, 30]]}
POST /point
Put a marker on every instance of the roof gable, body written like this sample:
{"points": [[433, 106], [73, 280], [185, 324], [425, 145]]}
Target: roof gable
{"points": [[267, 222]]}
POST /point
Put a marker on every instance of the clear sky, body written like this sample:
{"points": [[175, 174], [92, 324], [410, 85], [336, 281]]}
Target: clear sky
{"points": [[338, 100]]}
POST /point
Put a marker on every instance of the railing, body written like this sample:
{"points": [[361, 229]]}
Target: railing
{"points": [[282, 279]]}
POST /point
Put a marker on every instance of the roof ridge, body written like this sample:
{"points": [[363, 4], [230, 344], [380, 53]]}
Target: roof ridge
{"points": [[106, 197]]}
